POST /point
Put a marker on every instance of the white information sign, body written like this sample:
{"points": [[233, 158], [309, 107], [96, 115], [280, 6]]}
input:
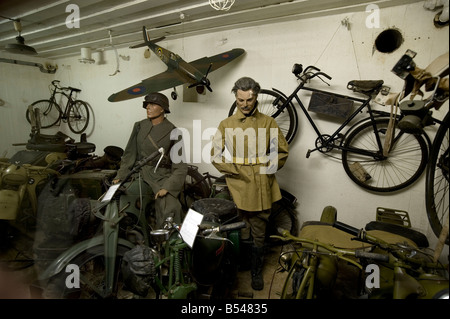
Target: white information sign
{"points": [[189, 228]]}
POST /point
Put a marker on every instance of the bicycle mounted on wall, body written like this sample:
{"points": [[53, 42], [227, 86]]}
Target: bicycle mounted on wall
{"points": [[372, 157], [75, 113]]}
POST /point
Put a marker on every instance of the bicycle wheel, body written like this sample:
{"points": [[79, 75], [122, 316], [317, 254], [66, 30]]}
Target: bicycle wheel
{"points": [[437, 180], [269, 103], [49, 113], [403, 165], [91, 265], [78, 116]]}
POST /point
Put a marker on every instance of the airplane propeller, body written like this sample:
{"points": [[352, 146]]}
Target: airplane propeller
{"points": [[204, 82]]}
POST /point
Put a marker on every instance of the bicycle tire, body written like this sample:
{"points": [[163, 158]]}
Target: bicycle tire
{"points": [[287, 121], [404, 164], [437, 180], [49, 113], [91, 266], [78, 116]]}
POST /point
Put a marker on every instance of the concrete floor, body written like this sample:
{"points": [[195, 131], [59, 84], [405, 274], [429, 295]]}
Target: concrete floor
{"points": [[273, 279], [17, 272]]}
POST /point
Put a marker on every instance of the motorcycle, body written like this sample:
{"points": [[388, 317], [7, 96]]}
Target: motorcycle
{"points": [[124, 257], [46, 157], [386, 260], [25, 174]]}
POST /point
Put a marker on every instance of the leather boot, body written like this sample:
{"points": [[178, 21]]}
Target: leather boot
{"points": [[257, 261]]}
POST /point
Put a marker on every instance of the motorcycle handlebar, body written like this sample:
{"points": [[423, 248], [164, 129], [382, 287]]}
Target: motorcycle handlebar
{"points": [[369, 255], [347, 228], [222, 228], [233, 226]]}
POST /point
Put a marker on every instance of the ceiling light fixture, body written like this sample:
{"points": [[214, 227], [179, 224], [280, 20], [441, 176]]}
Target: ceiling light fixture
{"points": [[19, 47], [223, 5], [86, 56]]}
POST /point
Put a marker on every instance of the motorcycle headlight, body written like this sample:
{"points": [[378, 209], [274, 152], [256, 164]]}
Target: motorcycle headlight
{"points": [[286, 260], [15, 175]]}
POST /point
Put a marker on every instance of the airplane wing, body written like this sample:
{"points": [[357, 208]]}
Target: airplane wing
{"points": [[171, 78], [217, 61], [159, 82]]}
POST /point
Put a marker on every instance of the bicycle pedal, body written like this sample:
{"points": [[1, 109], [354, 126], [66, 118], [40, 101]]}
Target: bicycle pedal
{"points": [[308, 154]]}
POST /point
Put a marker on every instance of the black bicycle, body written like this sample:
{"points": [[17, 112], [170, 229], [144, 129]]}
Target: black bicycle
{"points": [[437, 180], [376, 155], [417, 114], [75, 113]]}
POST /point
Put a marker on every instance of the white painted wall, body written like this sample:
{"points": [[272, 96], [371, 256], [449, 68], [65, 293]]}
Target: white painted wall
{"points": [[271, 51]]}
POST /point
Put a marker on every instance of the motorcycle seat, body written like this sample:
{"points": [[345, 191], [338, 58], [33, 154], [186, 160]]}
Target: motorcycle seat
{"points": [[46, 142]]}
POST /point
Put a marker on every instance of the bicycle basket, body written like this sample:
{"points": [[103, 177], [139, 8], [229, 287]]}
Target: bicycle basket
{"points": [[330, 104]]}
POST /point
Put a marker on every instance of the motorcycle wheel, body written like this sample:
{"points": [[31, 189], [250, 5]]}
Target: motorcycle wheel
{"points": [[91, 265]]}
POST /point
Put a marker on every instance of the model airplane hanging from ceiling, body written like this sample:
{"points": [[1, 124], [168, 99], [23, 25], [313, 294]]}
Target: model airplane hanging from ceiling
{"points": [[178, 71]]}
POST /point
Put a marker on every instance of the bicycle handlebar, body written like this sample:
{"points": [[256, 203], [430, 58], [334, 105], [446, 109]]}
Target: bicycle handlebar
{"points": [[312, 67], [307, 74], [56, 83]]}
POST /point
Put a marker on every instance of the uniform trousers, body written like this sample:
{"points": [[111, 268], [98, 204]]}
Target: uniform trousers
{"points": [[256, 224]]}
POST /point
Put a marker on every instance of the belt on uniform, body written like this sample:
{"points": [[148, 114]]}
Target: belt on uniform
{"points": [[250, 161]]}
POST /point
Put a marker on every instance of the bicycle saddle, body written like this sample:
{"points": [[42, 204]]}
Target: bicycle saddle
{"points": [[74, 89], [365, 86]]}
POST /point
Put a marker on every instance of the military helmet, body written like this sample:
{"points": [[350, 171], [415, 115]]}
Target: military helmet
{"points": [[157, 98]]}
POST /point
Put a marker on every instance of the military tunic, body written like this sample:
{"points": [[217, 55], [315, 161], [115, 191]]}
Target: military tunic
{"points": [[169, 175], [250, 144]]}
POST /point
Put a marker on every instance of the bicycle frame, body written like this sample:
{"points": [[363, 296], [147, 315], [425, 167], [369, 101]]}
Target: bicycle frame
{"points": [[365, 103], [69, 97]]}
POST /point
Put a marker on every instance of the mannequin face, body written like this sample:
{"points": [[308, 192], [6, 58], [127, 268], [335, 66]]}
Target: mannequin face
{"points": [[154, 111], [245, 100]]}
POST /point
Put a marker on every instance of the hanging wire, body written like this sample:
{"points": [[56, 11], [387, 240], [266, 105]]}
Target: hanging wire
{"points": [[346, 24], [326, 47]]}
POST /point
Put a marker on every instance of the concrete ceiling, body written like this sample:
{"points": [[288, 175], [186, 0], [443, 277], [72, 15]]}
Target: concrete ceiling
{"points": [[52, 29]]}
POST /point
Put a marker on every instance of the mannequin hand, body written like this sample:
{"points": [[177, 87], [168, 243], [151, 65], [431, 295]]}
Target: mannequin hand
{"points": [[161, 193]]}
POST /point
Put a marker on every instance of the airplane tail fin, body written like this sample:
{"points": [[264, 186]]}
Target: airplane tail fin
{"points": [[147, 40]]}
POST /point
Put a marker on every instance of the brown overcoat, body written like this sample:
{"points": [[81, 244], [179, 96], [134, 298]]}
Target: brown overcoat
{"points": [[250, 142]]}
